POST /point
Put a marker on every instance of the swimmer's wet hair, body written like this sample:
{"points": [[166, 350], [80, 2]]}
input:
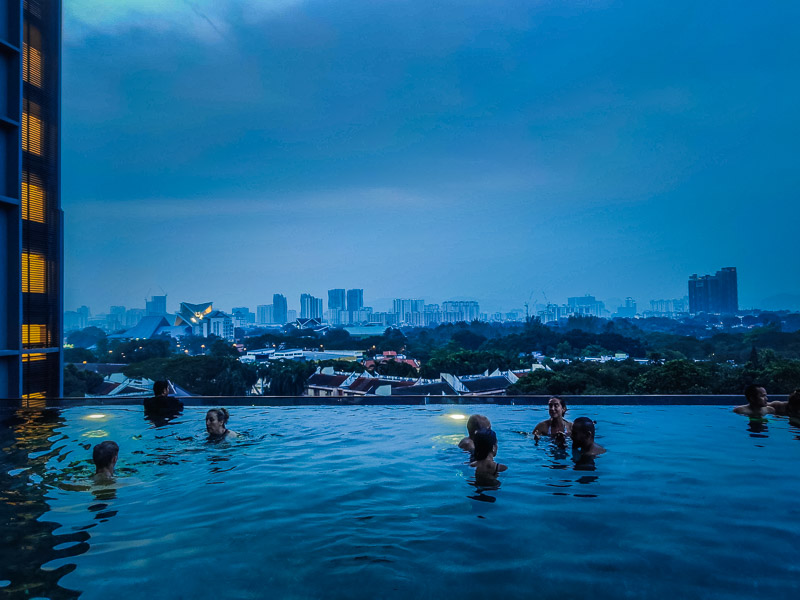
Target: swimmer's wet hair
{"points": [[159, 387], [485, 440], [476, 422], [752, 390], [583, 423], [222, 414], [104, 453], [794, 401]]}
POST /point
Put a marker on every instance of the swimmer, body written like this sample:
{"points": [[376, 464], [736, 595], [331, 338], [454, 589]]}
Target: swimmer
{"points": [[557, 427], [162, 402], [216, 424], [789, 408], [474, 423], [486, 469], [583, 444], [104, 456], [757, 402]]}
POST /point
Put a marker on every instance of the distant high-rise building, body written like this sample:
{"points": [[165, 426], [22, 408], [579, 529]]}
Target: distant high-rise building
{"points": [[156, 306], [242, 317], [31, 219], [310, 307], [586, 305], [133, 316], [280, 309], [629, 310], [454, 312], [337, 299], [355, 300], [291, 316], [264, 314], [714, 293]]}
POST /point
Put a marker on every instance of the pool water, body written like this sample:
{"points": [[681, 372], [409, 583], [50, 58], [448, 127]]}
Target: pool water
{"points": [[378, 502]]}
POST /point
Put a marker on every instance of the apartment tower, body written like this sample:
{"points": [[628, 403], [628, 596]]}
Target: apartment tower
{"points": [[31, 221]]}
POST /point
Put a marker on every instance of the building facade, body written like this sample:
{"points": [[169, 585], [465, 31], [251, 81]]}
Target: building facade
{"points": [[716, 293], [31, 221], [280, 311]]}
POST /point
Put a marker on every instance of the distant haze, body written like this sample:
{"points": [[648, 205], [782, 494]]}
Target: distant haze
{"points": [[224, 151]]}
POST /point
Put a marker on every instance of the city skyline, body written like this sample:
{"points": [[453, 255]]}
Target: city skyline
{"points": [[501, 153]]}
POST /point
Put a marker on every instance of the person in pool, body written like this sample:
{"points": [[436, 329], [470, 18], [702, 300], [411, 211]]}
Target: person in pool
{"points": [[583, 444], [104, 456], [789, 408], [217, 424], [757, 402], [474, 423], [162, 403], [486, 469], [557, 427]]}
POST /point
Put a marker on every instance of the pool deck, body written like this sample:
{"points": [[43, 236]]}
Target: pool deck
{"points": [[539, 400]]}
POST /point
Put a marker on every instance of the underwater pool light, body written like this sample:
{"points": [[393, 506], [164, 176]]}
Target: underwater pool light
{"points": [[96, 416], [457, 417]]}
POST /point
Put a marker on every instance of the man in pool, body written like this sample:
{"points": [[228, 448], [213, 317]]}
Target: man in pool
{"points": [[104, 456], [162, 403], [584, 448], [474, 423], [757, 402], [789, 408]]}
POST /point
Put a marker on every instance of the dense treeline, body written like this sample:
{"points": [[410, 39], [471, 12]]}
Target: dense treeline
{"points": [[731, 355]]}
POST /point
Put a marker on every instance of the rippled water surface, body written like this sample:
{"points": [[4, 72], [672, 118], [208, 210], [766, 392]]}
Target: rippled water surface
{"points": [[378, 502]]}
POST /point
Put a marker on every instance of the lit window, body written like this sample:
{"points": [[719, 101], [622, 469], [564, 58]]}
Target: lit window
{"points": [[34, 357], [34, 335], [32, 133], [33, 273], [33, 198], [32, 65]]}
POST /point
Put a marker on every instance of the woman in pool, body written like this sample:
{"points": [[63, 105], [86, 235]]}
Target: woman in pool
{"points": [[217, 424], [557, 427], [486, 469]]}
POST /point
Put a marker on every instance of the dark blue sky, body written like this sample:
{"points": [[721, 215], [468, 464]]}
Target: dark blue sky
{"points": [[226, 150]]}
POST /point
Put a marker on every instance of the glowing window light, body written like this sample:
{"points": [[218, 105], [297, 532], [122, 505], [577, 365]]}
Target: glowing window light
{"points": [[32, 65], [32, 134], [33, 273], [33, 198], [34, 334], [34, 357]]}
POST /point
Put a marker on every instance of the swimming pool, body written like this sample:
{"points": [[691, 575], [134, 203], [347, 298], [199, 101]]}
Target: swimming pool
{"points": [[376, 502]]}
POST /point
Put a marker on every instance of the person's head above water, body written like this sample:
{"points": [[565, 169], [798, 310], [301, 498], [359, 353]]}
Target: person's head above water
{"points": [[583, 432], [216, 421], [104, 456], [485, 443], [556, 407], [160, 388], [476, 422], [793, 405], [755, 395]]}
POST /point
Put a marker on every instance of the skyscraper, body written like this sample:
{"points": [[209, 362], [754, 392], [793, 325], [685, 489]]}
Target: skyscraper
{"points": [[355, 300], [310, 307], [336, 299], [31, 221], [714, 293], [279, 309]]}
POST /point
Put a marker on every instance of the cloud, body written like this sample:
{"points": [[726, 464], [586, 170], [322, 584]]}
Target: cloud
{"points": [[209, 21]]}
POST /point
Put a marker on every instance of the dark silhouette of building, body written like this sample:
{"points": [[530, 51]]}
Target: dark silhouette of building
{"points": [[355, 300], [280, 309], [310, 307], [31, 221], [714, 293], [336, 300]]}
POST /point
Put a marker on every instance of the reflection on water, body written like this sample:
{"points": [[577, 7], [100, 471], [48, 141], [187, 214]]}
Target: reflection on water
{"points": [[28, 440], [757, 426]]}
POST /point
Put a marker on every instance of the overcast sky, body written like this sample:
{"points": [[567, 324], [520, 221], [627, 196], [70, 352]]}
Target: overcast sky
{"points": [[225, 150]]}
